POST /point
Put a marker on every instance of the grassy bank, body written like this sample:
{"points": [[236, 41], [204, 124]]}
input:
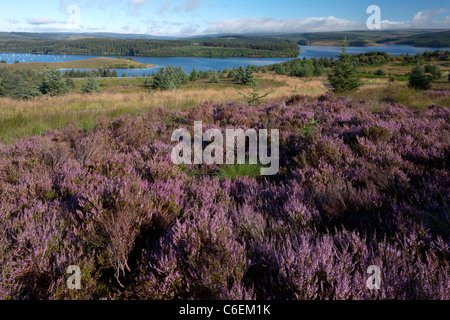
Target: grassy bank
{"points": [[95, 63], [130, 96]]}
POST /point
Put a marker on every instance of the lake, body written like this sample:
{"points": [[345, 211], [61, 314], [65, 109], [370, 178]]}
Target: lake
{"points": [[188, 63]]}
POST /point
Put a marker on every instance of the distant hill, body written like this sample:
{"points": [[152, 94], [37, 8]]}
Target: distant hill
{"points": [[418, 38], [415, 37], [220, 45], [260, 47], [76, 36]]}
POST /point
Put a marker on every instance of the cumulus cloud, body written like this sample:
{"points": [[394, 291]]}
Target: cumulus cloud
{"points": [[40, 20], [257, 25], [422, 19]]}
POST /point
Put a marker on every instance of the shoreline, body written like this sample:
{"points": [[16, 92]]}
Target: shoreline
{"points": [[93, 63]]}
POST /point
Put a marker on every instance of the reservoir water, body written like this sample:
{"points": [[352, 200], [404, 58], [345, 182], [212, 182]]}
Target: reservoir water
{"points": [[188, 63]]}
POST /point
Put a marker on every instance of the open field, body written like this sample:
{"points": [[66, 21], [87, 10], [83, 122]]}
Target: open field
{"points": [[121, 96], [396, 68], [95, 63], [129, 95]]}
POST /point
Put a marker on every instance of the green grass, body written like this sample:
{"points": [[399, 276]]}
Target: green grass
{"points": [[239, 170], [392, 93], [12, 128], [95, 63], [231, 171]]}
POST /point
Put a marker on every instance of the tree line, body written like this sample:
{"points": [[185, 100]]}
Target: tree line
{"points": [[151, 48], [100, 73]]}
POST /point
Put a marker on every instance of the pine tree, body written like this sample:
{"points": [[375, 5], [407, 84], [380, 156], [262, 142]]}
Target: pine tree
{"points": [[280, 69], [193, 75], [244, 75], [344, 76], [318, 70], [18, 84], [418, 79], [23, 89], [170, 78], [214, 79], [53, 83], [90, 86], [434, 70]]}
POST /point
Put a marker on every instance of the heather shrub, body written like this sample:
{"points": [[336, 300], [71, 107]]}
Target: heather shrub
{"points": [[210, 262], [377, 134], [358, 185]]}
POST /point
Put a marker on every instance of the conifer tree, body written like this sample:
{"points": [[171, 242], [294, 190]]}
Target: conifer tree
{"points": [[90, 86], [418, 79], [53, 83], [344, 76]]}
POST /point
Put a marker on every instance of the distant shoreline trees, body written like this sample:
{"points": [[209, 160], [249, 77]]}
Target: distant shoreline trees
{"points": [[252, 47]]}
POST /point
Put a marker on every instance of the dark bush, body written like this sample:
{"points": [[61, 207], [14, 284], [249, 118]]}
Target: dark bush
{"points": [[418, 79]]}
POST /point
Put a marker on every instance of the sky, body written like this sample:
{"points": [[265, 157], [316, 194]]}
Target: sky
{"points": [[180, 18]]}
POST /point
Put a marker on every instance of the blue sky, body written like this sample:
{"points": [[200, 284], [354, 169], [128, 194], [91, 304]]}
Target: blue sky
{"points": [[198, 17]]}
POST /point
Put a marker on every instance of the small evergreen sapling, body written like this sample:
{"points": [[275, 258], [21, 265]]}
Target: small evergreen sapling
{"points": [[344, 76], [90, 86], [418, 79]]}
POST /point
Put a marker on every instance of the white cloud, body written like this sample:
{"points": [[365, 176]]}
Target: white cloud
{"points": [[40, 20], [422, 19], [137, 2], [269, 25]]}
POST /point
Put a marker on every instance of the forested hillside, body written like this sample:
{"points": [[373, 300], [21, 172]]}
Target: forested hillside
{"points": [[417, 38], [264, 47]]}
